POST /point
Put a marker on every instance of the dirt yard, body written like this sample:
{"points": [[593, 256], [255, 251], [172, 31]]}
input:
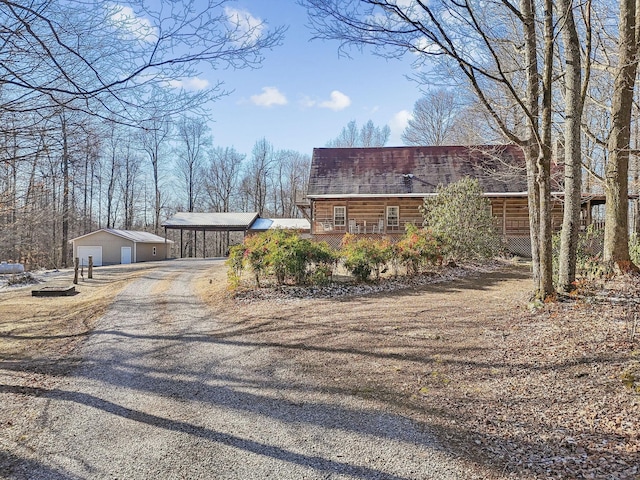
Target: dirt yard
{"points": [[48, 327], [546, 393]]}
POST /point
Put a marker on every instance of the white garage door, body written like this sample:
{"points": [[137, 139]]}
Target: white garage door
{"points": [[125, 255], [85, 252]]}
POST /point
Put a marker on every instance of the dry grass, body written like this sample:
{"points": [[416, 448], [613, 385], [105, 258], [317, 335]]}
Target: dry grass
{"points": [[50, 327], [532, 394]]}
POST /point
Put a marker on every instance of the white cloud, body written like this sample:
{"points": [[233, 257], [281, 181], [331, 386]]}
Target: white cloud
{"points": [[246, 29], [337, 101], [270, 96], [399, 122], [126, 19], [307, 102], [192, 83]]}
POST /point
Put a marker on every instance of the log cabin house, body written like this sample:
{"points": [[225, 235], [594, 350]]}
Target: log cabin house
{"points": [[378, 191]]}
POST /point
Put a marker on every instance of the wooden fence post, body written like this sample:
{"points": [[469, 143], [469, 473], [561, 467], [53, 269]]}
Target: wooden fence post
{"points": [[76, 267], [90, 274]]}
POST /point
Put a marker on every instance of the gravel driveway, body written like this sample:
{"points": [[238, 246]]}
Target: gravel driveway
{"points": [[157, 396]]}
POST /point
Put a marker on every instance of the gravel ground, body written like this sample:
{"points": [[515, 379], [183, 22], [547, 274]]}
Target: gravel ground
{"points": [[156, 396]]}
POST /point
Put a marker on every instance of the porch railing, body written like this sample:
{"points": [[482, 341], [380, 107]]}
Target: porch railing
{"points": [[361, 227]]}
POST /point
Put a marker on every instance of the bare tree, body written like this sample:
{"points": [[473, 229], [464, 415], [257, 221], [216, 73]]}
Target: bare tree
{"points": [[434, 120], [222, 181], [348, 136], [103, 51], [129, 174], [372, 136], [575, 95], [368, 136], [25, 151], [616, 234], [155, 132], [91, 155], [223, 177], [66, 160], [245, 194], [193, 137], [258, 175], [112, 168], [292, 181]]}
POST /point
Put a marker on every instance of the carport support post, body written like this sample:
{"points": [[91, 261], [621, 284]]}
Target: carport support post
{"points": [[90, 273], [204, 243], [181, 247], [165, 243], [76, 266]]}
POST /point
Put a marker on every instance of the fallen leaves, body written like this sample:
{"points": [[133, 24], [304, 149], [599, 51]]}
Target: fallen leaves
{"points": [[542, 393]]}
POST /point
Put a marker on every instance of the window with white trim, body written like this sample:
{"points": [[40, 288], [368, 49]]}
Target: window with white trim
{"points": [[154, 251], [340, 216], [393, 216]]}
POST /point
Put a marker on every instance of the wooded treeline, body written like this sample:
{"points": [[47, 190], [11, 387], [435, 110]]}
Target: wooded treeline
{"points": [[68, 175], [541, 73], [97, 127]]}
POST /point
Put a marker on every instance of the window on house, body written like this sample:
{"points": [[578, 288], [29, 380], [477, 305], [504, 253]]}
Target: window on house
{"points": [[154, 251], [340, 216], [393, 216]]}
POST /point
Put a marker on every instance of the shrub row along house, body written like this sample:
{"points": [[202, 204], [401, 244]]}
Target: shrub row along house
{"points": [[377, 191]]}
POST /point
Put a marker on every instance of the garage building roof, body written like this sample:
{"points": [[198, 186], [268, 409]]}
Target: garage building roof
{"points": [[134, 236]]}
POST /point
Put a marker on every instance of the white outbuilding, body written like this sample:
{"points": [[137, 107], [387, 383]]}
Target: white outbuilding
{"points": [[109, 246]]}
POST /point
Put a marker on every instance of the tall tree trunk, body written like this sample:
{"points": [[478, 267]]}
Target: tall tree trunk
{"points": [[544, 158], [91, 185], [537, 150], [110, 190], [157, 203], [85, 195], [572, 149], [65, 194], [616, 233]]}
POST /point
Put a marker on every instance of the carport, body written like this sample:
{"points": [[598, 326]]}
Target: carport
{"points": [[208, 222]]}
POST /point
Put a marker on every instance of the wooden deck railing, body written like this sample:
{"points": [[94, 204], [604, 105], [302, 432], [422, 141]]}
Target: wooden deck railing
{"points": [[514, 227], [369, 226]]}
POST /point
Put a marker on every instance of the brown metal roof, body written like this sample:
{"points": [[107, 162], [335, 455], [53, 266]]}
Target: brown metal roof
{"points": [[406, 170]]}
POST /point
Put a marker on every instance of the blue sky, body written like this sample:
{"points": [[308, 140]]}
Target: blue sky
{"points": [[305, 93]]}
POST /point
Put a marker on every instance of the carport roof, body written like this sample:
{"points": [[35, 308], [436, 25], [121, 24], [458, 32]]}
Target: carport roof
{"points": [[221, 221]]}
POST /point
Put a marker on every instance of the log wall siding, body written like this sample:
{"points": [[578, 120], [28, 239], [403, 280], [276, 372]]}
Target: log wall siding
{"points": [[512, 215], [363, 216]]}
